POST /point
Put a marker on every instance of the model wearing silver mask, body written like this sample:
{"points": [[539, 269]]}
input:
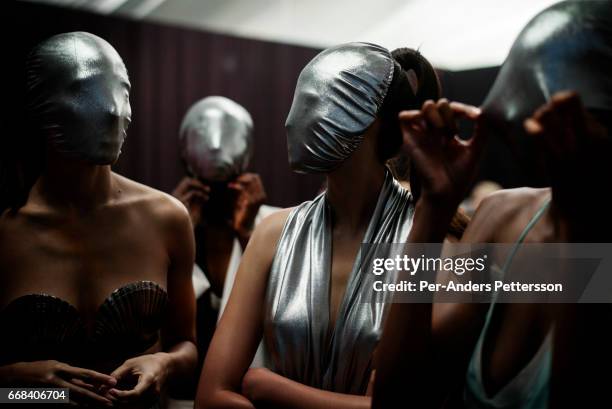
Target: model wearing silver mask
{"points": [[216, 139], [297, 300], [337, 97], [568, 46], [78, 96]]}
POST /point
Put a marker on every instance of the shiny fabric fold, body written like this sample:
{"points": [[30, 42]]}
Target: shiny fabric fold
{"points": [[77, 97], [568, 46], [296, 316], [337, 97], [215, 139]]}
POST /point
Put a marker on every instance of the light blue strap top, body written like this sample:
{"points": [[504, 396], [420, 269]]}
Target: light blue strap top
{"points": [[530, 388]]}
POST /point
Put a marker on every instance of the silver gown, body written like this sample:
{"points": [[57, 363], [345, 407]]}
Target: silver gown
{"points": [[297, 300]]}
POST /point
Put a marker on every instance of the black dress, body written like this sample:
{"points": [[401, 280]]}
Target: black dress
{"points": [[37, 327]]}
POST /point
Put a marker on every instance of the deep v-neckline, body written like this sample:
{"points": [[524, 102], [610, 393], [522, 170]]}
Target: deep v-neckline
{"points": [[352, 284], [539, 353]]}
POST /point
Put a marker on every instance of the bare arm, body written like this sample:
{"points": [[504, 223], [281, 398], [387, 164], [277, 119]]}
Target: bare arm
{"points": [[439, 337], [226, 381], [178, 334], [178, 360], [238, 333], [446, 167], [267, 389]]}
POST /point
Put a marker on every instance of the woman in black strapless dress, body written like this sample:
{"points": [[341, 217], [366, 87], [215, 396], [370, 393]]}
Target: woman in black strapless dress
{"points": [[95, 269]]}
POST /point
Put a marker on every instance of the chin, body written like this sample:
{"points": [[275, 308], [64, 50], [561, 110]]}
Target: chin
{"points": [[104, 158]]}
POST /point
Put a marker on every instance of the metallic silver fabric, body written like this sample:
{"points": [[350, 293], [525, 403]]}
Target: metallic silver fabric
{"points": [[216, 139], [568, 46], [337, 97], [296, 315], [78, 96]]}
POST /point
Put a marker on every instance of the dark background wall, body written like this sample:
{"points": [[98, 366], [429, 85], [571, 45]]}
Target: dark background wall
{"points": [[171, 68]]}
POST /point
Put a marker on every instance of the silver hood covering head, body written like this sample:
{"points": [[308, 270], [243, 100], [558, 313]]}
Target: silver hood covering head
{"points": [[337, 97], [216, 139], [78, 96]]}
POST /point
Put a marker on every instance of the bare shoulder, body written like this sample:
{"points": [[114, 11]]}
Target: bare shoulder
{"points": [[152, 202], [252, 275], [502, 209], [508, 202], [270, 228], [264, 240]]}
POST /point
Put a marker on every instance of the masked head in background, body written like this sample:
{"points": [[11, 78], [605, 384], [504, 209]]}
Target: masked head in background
{"points": [[216, 139], [566, 47], [77, 97], [340, 94]]}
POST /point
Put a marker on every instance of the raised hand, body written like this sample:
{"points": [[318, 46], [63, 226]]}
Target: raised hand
{"points": [[577, 149], [250, 196], [193, 194], [445, 163]]}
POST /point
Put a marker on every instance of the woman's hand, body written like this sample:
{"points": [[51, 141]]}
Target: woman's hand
{"points": [[445, 164], [85, 386], [193, 194], [144, 375], [250, 196], [578, 152]]}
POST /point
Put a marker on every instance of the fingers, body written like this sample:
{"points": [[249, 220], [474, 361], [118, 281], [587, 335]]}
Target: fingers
{"points": [[195, 195], [246, 180], [87, 375], [572, 113], [478, 141], [466, 111], [82, 384], [238, 187], [558, 122], [413, 126], [143, 385], [448, 116], [122, 371], [432, 115], [251, 184], [439, 117], [190, 184], [412, 121], [81, 392], [195, 184]]}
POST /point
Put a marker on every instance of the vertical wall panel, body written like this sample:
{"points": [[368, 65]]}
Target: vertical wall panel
{"points": [[170, 68]]}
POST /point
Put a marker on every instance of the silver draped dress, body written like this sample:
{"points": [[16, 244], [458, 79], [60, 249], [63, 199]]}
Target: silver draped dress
{"points": [[296, 315]]}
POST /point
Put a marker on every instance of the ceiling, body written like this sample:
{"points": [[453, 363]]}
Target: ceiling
{"points": [[453, 34]]}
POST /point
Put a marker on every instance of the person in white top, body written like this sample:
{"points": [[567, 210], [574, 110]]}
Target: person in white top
{"points": [[224, 202]]}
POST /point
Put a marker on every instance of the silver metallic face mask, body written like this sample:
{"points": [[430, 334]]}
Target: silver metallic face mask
{"points": [[337, 97], [78, 96], [216, 139], [568, 46]]}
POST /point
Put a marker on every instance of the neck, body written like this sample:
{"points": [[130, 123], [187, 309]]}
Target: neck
{"points": [[352, 191], [73, 184]]}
